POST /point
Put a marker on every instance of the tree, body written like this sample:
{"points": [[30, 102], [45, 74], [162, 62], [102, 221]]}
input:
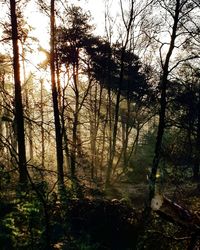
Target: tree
{"points": [[178, 13], [125, 59], [58, 132], [104, 67], [19, 118], [184, 114], [7, 140], [121, 78], [72, 39]]}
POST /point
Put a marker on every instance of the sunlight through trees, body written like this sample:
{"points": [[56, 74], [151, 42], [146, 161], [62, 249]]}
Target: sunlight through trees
{"points": [[99, 102]]}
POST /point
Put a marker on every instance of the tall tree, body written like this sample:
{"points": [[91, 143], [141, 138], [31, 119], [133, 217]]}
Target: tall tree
{"points": [[19, 118], [58, 132], [125, 43], [72, 40], [184, 114], [178, 12]]}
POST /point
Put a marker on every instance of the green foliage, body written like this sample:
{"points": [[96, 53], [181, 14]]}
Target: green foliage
{"points": [[23, 226], [6, 234], [141, 161], [175, 163], [4, 176]]}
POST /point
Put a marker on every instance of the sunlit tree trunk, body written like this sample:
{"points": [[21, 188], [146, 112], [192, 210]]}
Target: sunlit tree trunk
{"points": [[28, 126], [103, 143], [93, 133], [76, 149], [19, 118], [125, 133], [58, 132], [42, 126], [66, 148], [75, 122], [61, 105], [118, 97], [95, 104]]}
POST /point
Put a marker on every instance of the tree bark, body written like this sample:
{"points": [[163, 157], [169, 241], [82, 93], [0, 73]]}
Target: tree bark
{"points": [[75, 121], [19, 118], [197, 157], [58, 132], [42, 127], [161, 125]]}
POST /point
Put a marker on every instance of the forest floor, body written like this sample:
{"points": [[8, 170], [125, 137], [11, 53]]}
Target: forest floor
{"points": [[186, 193], [117, 220], [113, 221]]}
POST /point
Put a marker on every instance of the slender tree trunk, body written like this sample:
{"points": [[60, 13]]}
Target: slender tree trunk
{"points": [[13, 140], [58, 132], [110, 138], [161, 125], [1, 127], [19, 118], [103, 144], [61, 107], [75, 123], [197, 155], [98, 121], [93, 133], [66, 148], [74, 145], [94, 128], [116, 120], [42, 126], [126, 134], [118, 97], [58, 80], [124, 146], [26, 101], [30, 127]]}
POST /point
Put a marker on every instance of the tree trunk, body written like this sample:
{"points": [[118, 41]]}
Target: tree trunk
{"points": [[58, 132], [74, 145], [118, 97], [19, 118], [26, 101], [161, 125], [197, 151], [116, 120], [126, 131], [110, 153], [42, 128], [75, 123], [94, 115]]}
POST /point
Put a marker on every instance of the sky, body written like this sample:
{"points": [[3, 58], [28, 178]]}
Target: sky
{"points": [[40, 22], [96, 7]]}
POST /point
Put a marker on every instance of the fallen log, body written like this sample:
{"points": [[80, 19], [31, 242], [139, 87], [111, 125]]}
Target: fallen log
{"points": [[175, 213]]}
